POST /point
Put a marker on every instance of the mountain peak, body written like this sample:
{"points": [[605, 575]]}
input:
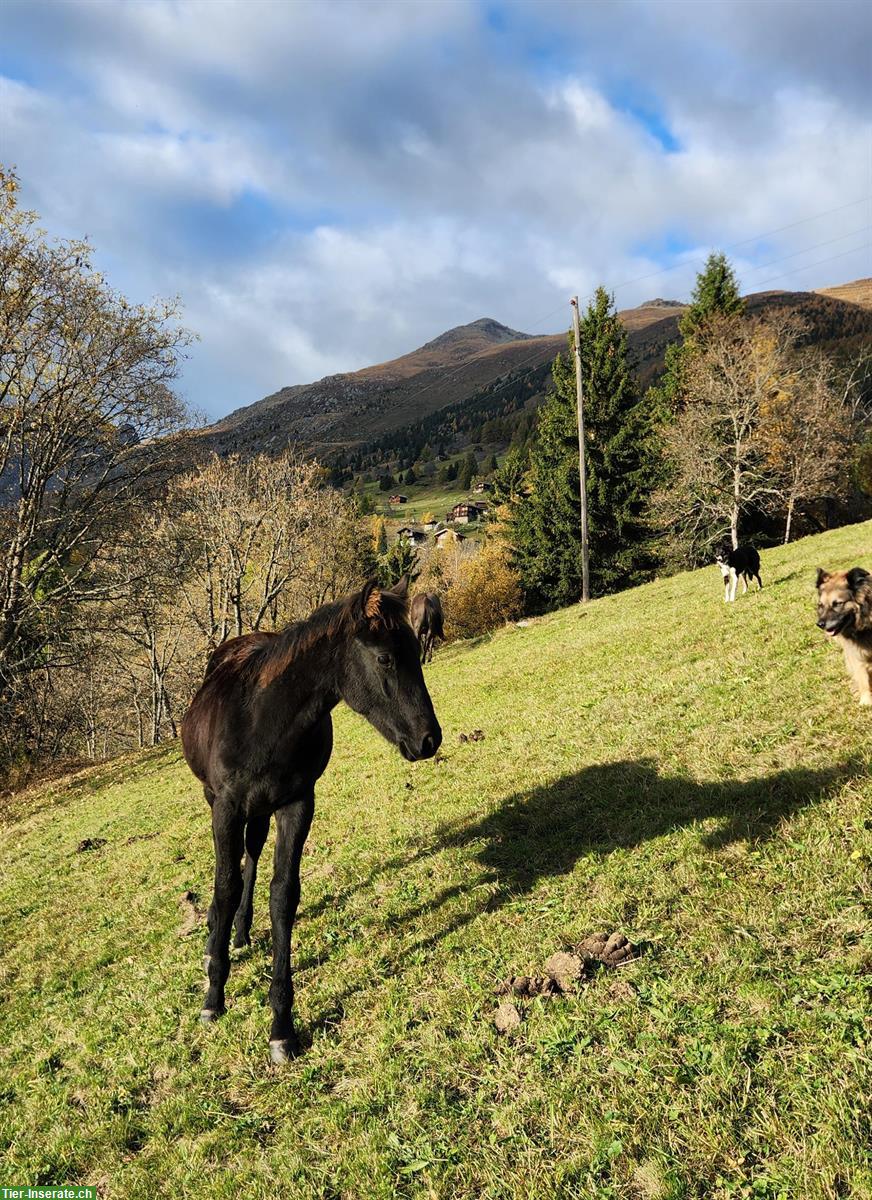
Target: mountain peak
{"points": [[659, 302], [485, 330]]}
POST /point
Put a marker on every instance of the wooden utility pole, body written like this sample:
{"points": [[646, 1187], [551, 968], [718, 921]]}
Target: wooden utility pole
{"points": [[582, 467]]}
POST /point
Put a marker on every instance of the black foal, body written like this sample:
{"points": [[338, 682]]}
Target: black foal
{"points": [[258, 735]]}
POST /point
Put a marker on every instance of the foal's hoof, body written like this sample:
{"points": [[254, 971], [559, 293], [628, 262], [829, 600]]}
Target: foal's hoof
{"points": [[284, 1050], [208, 1015], [240, 941]]}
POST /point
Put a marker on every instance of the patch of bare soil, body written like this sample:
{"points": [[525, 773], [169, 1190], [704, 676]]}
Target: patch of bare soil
{"points": [[192, 914], [477, 735], [90, 844]]}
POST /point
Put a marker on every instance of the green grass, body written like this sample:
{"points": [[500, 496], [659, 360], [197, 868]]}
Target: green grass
{"points": [[692, 773], [424, 497]]}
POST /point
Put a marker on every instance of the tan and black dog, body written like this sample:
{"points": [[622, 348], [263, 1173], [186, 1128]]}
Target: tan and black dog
{"points": [[845, 613]]}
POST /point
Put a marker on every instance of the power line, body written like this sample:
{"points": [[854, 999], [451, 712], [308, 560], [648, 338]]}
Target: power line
{"points": [[678, 266], [820, 263], [689, 262], [817, 246], [444, 379]]}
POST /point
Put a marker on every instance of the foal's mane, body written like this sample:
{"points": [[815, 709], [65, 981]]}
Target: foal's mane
{"points": [[337, 623]]}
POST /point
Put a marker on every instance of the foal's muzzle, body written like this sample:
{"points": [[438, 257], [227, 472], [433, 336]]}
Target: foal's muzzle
{"points": [[427, 747]]}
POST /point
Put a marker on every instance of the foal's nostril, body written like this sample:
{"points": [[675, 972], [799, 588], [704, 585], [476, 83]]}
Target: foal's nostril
{"points": [[431, 743]]}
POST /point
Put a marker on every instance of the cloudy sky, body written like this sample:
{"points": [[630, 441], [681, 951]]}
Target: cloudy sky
{"points": [[329, 184]]}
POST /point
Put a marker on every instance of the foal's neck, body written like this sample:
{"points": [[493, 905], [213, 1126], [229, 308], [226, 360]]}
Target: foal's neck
{"points": [[306, 661]]}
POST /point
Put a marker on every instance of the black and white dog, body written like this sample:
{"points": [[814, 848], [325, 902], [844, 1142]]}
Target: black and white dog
{"points": [[744, 561]]}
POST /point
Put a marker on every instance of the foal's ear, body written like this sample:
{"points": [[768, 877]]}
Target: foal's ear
{"points": [[855, 577], [401, 589], [821, 576], [368, 602]]}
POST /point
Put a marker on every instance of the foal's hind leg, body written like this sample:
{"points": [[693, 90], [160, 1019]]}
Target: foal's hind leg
{"points": [[292, 828], [255, 836], [227, 834]]}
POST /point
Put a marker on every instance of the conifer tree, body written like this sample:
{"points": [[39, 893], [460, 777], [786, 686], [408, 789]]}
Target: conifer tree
{"points": [[620, 472], [467, 471], [716, 293], [401, 559], [508, 483]]}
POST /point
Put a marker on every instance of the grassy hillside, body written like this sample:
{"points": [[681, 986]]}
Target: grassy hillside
{"points": [[857, 292], [691, 773]]}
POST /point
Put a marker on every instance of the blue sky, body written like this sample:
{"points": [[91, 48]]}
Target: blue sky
{"points": [[326, 185]]}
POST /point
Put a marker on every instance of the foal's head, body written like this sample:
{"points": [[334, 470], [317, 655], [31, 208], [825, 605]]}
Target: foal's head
{"points": [[382, 676]]}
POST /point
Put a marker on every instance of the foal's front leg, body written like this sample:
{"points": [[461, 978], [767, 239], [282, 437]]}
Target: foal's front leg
{"points": [[292, 827], [227, 834]]}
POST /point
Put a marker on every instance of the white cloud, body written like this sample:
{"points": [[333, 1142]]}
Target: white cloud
{"points": [[415, 169]]}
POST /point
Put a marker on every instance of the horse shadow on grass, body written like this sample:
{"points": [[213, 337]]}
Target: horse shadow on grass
{"points": [[542, 833]]}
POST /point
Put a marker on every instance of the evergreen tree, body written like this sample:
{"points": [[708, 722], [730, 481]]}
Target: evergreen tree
{"points": [[386, 483], [620, 473], [411, 477], [492, 464], [509, 478], [716, 293], [467, 472], [400, 560], [364, 502]]}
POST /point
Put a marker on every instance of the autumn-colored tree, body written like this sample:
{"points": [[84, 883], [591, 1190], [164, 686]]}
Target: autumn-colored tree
{"points": [[89, 433], [717, 449], [807, 434], [379, 536], [85, 418], [484, 592]]}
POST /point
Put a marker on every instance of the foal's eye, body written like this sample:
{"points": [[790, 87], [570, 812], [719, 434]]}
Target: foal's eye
{"points": [[384, 660]]}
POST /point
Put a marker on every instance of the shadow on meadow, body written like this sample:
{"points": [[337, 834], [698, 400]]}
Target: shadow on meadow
{"points": [[540, 834]]}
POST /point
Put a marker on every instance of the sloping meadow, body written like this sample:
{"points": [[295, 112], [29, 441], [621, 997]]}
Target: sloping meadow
{"points": [[691, 774]]}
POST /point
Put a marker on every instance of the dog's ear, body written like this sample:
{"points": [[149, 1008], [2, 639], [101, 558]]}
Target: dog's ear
{"points": [[855, 577], [821, 576]]}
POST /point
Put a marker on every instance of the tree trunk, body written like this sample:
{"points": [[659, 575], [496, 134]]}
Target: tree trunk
{"points": [[734, 526], [790, 504]]}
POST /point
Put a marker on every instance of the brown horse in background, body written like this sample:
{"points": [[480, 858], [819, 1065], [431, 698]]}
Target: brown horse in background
{"points": [[426, 618]]}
